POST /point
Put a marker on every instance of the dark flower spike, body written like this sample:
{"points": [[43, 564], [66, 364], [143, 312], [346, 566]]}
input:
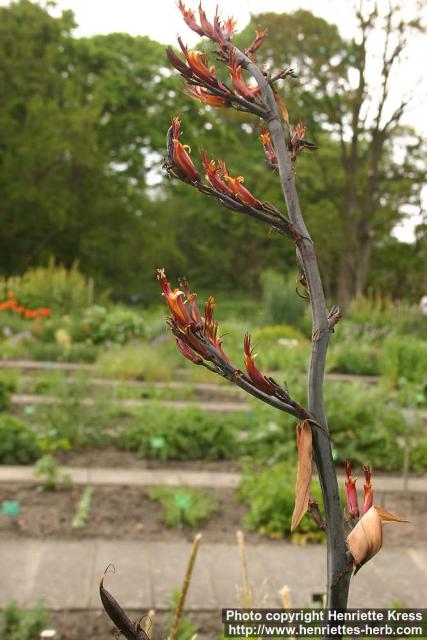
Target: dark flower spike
{"points": [[254, 373], [298, 143], [130, 630], [178, 63], [198, 341]]}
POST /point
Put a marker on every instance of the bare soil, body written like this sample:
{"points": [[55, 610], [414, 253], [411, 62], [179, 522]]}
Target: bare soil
{"points": [[112, 457], [126, 512]]}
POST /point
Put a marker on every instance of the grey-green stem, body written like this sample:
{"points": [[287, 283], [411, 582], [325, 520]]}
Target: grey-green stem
{"points": [[337, 577]]}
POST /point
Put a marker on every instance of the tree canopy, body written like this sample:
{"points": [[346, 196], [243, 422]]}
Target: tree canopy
{"points": [[82, 137]]}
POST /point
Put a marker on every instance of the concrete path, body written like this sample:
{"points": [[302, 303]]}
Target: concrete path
{"points": [[66, 574], [177, 476]]}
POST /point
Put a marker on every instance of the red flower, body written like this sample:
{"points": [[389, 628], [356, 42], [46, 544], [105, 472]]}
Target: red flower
{"points": [[254, 373], [213, 175], [194, 309], [204, 96], [257, 43], [178, 63], [207, 27], [368, 498], [189, 18], [188, 353], [351, 493], [178, 155], [239, 83], [174, 301], [243, 194], [270, 153]]}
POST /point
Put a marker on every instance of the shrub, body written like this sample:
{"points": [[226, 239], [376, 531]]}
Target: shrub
{"points": [[139, 361], [18, 442], [271, 334], [183, 434], [182, 505], [355, 358], [7, 387], [56, 287], [116, 325], [55, 352], [404, 357], [376, 311], [270, 496], [19, 624], [280, 301]]}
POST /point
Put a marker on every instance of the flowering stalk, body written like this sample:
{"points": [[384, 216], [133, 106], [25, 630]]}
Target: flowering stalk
{"points": [[198, 340]]}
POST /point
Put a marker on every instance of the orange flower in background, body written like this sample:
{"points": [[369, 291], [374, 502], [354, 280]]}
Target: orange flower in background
{"points": [[199, 93], [29, 314], [351, 492], [239, 83], [368, 497], [254, 373], [213, 175]]}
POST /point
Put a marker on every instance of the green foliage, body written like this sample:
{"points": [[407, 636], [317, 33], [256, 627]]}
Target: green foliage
{"points": [[182, 434], [118, 325], [404, 357], [56, 287], [270, 495], [280, 302], [20, 624], [363, 428], [354, 357], [377, 311], [271, 334], [18, 442], [86, 353], [83, 509], [7, 387], [71, 423], [140, 361], [182, 505], [52, 478]]}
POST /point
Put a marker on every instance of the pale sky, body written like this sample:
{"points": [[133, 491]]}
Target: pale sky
{"points": [[161, 21]]}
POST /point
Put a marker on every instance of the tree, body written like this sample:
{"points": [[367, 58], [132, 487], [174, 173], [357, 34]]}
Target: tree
{"points": [[345, 99]]}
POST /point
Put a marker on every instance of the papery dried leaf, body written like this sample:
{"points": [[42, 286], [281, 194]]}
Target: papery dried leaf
{"points": [[303, 482], [366, 539], [118, 616]]}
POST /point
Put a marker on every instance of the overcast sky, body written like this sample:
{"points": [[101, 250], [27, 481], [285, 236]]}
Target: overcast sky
{"points": [[161, 20]]}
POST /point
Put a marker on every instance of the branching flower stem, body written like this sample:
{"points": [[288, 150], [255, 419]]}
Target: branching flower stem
{"points": [[337, 590]]}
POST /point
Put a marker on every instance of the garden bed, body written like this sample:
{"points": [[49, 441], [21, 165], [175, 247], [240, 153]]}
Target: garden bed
{"points": [[127, 513]]}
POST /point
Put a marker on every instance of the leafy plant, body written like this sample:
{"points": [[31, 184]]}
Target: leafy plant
{"points": [[182, 505], [270, 495], [355, 357], [83, 509], [61, 289], [115, 325], [7, 387], [20, 624], [279, 301], [404, 357], [184, 434], [52, 478], [18, 442]]}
